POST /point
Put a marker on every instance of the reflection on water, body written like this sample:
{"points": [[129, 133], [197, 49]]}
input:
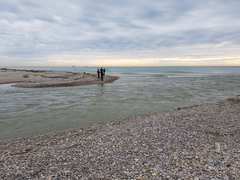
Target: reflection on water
{"points": [[32, 111]]}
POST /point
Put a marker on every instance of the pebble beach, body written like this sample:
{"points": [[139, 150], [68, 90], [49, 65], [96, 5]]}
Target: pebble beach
{"points": [[198, 142]]}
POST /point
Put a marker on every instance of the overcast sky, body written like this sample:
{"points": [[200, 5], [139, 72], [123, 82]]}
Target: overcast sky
{"points": [[119, 32]]}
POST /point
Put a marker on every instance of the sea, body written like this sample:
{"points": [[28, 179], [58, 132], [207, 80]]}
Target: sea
{"points": [[139, 91]]}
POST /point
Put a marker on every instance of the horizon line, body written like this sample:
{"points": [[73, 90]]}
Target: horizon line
{"points": [[29, 66]]}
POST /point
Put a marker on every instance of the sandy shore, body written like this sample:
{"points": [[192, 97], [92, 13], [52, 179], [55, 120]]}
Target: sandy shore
{"points": [[40, 79], [199, 142]]}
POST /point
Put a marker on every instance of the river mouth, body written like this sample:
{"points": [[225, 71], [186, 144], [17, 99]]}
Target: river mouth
{"points": [[27, 112]]}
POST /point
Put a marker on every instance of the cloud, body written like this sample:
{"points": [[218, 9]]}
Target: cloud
{"points": [[33, 31]]}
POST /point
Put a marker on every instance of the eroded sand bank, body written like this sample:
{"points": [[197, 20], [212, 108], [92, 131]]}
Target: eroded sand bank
{"points": [[40, 79], [199, 142]]}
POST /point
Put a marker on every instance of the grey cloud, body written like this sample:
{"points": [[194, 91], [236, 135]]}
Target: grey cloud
{"points": [[42, 28]]}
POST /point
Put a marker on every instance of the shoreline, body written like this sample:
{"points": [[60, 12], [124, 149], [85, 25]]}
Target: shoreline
{"points": [[42, 79], [200, 141]]}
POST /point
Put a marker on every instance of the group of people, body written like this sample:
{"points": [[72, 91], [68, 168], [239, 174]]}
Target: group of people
{"points": [[101, 73]]}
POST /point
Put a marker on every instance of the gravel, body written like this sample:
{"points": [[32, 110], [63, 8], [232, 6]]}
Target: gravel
{"points": [[198, 143]]}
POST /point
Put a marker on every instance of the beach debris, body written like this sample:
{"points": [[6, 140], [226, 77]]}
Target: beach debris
{"points": [[25, 76]]}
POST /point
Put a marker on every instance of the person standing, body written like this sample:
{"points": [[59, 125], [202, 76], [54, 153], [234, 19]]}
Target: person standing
{"points": [[102, 74], [98, 73]]}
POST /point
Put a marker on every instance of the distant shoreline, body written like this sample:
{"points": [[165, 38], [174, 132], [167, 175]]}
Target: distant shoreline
{"points": [[24, 67], [41, 78]]}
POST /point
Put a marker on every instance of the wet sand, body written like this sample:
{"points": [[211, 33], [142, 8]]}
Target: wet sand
{"points": [[41, 79], [199, 142]]}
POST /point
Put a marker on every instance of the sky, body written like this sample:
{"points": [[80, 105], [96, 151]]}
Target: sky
{"points": [[119, 33]]}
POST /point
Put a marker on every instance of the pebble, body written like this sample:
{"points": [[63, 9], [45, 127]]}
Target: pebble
{"points": [[184, 144], [218, 147]]}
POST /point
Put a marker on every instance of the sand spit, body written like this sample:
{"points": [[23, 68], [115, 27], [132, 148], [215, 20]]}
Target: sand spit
{"points": [[41, 79], [198, 143]]}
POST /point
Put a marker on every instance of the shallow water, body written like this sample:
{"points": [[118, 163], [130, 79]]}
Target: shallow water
{"points": [[25, 112]]}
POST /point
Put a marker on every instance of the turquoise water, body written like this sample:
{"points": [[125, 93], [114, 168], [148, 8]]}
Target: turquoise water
{"points": [[25, 112]]}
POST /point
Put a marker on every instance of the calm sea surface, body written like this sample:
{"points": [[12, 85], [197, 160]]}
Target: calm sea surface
{"points": [[25, 112]]}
